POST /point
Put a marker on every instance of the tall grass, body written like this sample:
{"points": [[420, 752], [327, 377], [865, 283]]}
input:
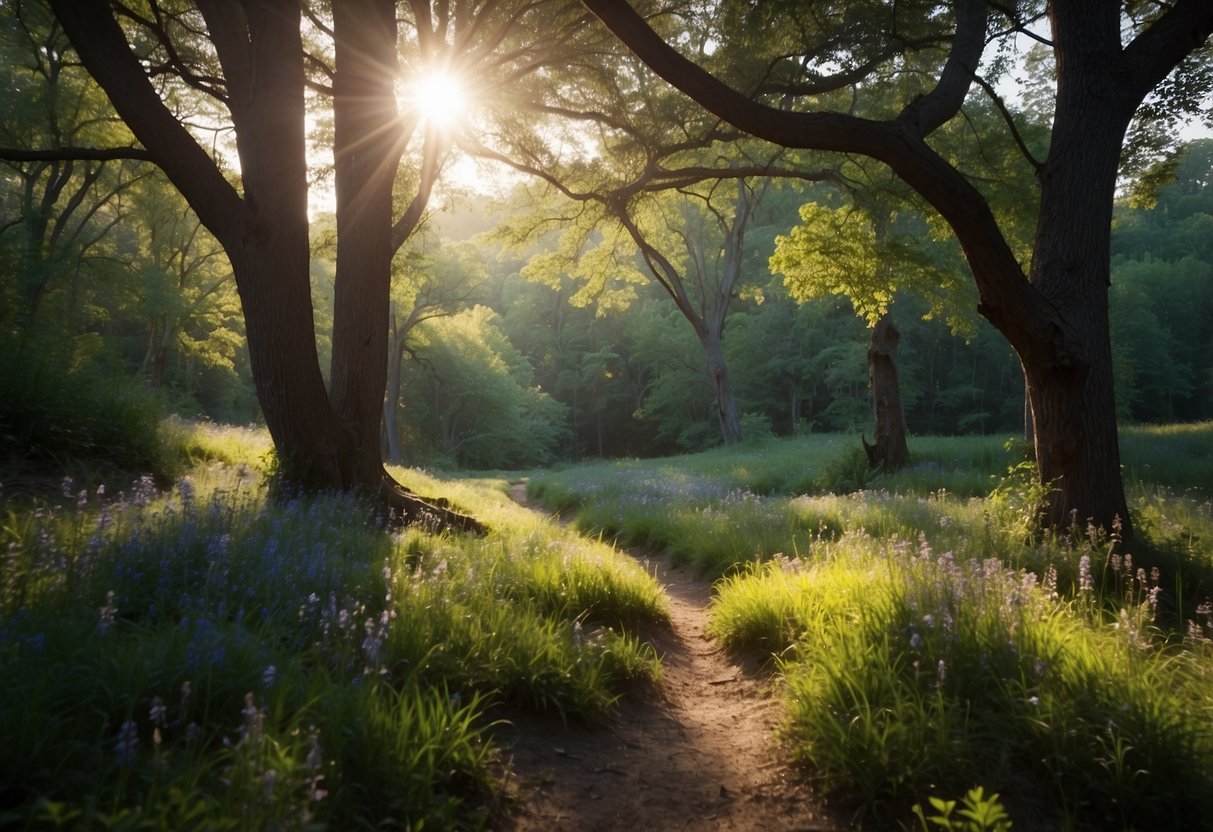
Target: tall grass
{"points": [[909, 672], [929, 640], [201, 658]]}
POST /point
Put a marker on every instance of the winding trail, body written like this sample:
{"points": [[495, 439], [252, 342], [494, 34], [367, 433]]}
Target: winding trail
{"points": [[698, 754]]}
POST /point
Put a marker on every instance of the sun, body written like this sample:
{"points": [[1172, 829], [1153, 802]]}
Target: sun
{"points": [[439, 98]]}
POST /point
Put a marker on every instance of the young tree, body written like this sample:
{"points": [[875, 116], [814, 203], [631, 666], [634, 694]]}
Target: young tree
{"points": [[1108, 61], [435, 283]]}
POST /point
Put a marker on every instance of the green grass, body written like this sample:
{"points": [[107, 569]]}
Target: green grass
{"points": [[929, 641], [205, 659], [1179, 457]]}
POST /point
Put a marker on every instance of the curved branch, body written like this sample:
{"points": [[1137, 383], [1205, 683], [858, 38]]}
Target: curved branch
{"points": [[928, 112], [1151, 56], [1037, 165], [431, 164], [103, 48]]}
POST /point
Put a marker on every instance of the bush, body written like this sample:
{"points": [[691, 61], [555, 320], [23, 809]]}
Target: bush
{"points": [[62, 410]]}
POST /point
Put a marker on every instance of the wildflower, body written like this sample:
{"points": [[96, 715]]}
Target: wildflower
{"points": [[916, 642], [144, 491], [314, 759], [1034, 701], [1050, 582], [1085, 582], [254, 720], [1196, 632], [941, 672], [1039, 667], [267, 784], [67, 487], [127, 743], [158, 711], [268, 676]]}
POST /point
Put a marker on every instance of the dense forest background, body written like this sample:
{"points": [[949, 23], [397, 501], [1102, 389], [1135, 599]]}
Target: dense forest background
{"points": [[118, 284], [114, 300]]}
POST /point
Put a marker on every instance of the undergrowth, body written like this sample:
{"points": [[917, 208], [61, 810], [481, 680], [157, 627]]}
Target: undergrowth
{"points": [[931, 642], [203, 658]]}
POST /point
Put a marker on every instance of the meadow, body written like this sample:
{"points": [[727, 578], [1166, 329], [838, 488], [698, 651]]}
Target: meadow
{"points": [[931, 647], [196, 655], [201, 657]]}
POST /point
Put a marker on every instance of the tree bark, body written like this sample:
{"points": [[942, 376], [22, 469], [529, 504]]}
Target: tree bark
{"points": [[391, 401], [722, 386], [368, 142], [888, 450], [1071, 392]]}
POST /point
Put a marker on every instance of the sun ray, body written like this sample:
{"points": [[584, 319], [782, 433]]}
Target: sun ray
{"points": [[439, 98]]}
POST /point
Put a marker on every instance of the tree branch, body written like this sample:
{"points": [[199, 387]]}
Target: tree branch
{"points": [[103, 48]]}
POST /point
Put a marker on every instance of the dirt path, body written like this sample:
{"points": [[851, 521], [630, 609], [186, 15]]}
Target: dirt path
{"points": [[699, 754]]}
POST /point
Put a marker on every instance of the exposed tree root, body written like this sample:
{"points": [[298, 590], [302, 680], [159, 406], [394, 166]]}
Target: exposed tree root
{"points": [[434, 514]]}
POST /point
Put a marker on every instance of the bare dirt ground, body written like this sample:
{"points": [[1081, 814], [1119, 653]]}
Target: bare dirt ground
{"points": [[699, 754]]}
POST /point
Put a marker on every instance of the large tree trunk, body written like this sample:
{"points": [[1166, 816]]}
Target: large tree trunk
{"points": [[322, 444], [888, 450], [1071, 393], [367, 137], [722, 387]]}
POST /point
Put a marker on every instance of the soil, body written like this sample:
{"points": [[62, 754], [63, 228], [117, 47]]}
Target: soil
{"points": [[699, 753]]}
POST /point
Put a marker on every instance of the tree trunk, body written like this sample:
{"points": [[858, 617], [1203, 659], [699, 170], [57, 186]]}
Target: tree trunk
{"points": [[722, 387], [888, 450], [1071, 392], [1072, 403], [794, 407], [391, 402], [323, 442], [367, 137]]}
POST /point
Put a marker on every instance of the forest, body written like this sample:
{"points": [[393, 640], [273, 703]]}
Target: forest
{"points": [[877, 331]]}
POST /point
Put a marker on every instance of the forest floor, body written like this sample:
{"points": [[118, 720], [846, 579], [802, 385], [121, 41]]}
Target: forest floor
{"points": [[698, 753]]}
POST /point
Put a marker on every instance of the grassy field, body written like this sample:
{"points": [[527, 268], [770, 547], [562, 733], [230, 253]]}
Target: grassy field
{"points": [[928, 641], [196, 656], [200, 658]]}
